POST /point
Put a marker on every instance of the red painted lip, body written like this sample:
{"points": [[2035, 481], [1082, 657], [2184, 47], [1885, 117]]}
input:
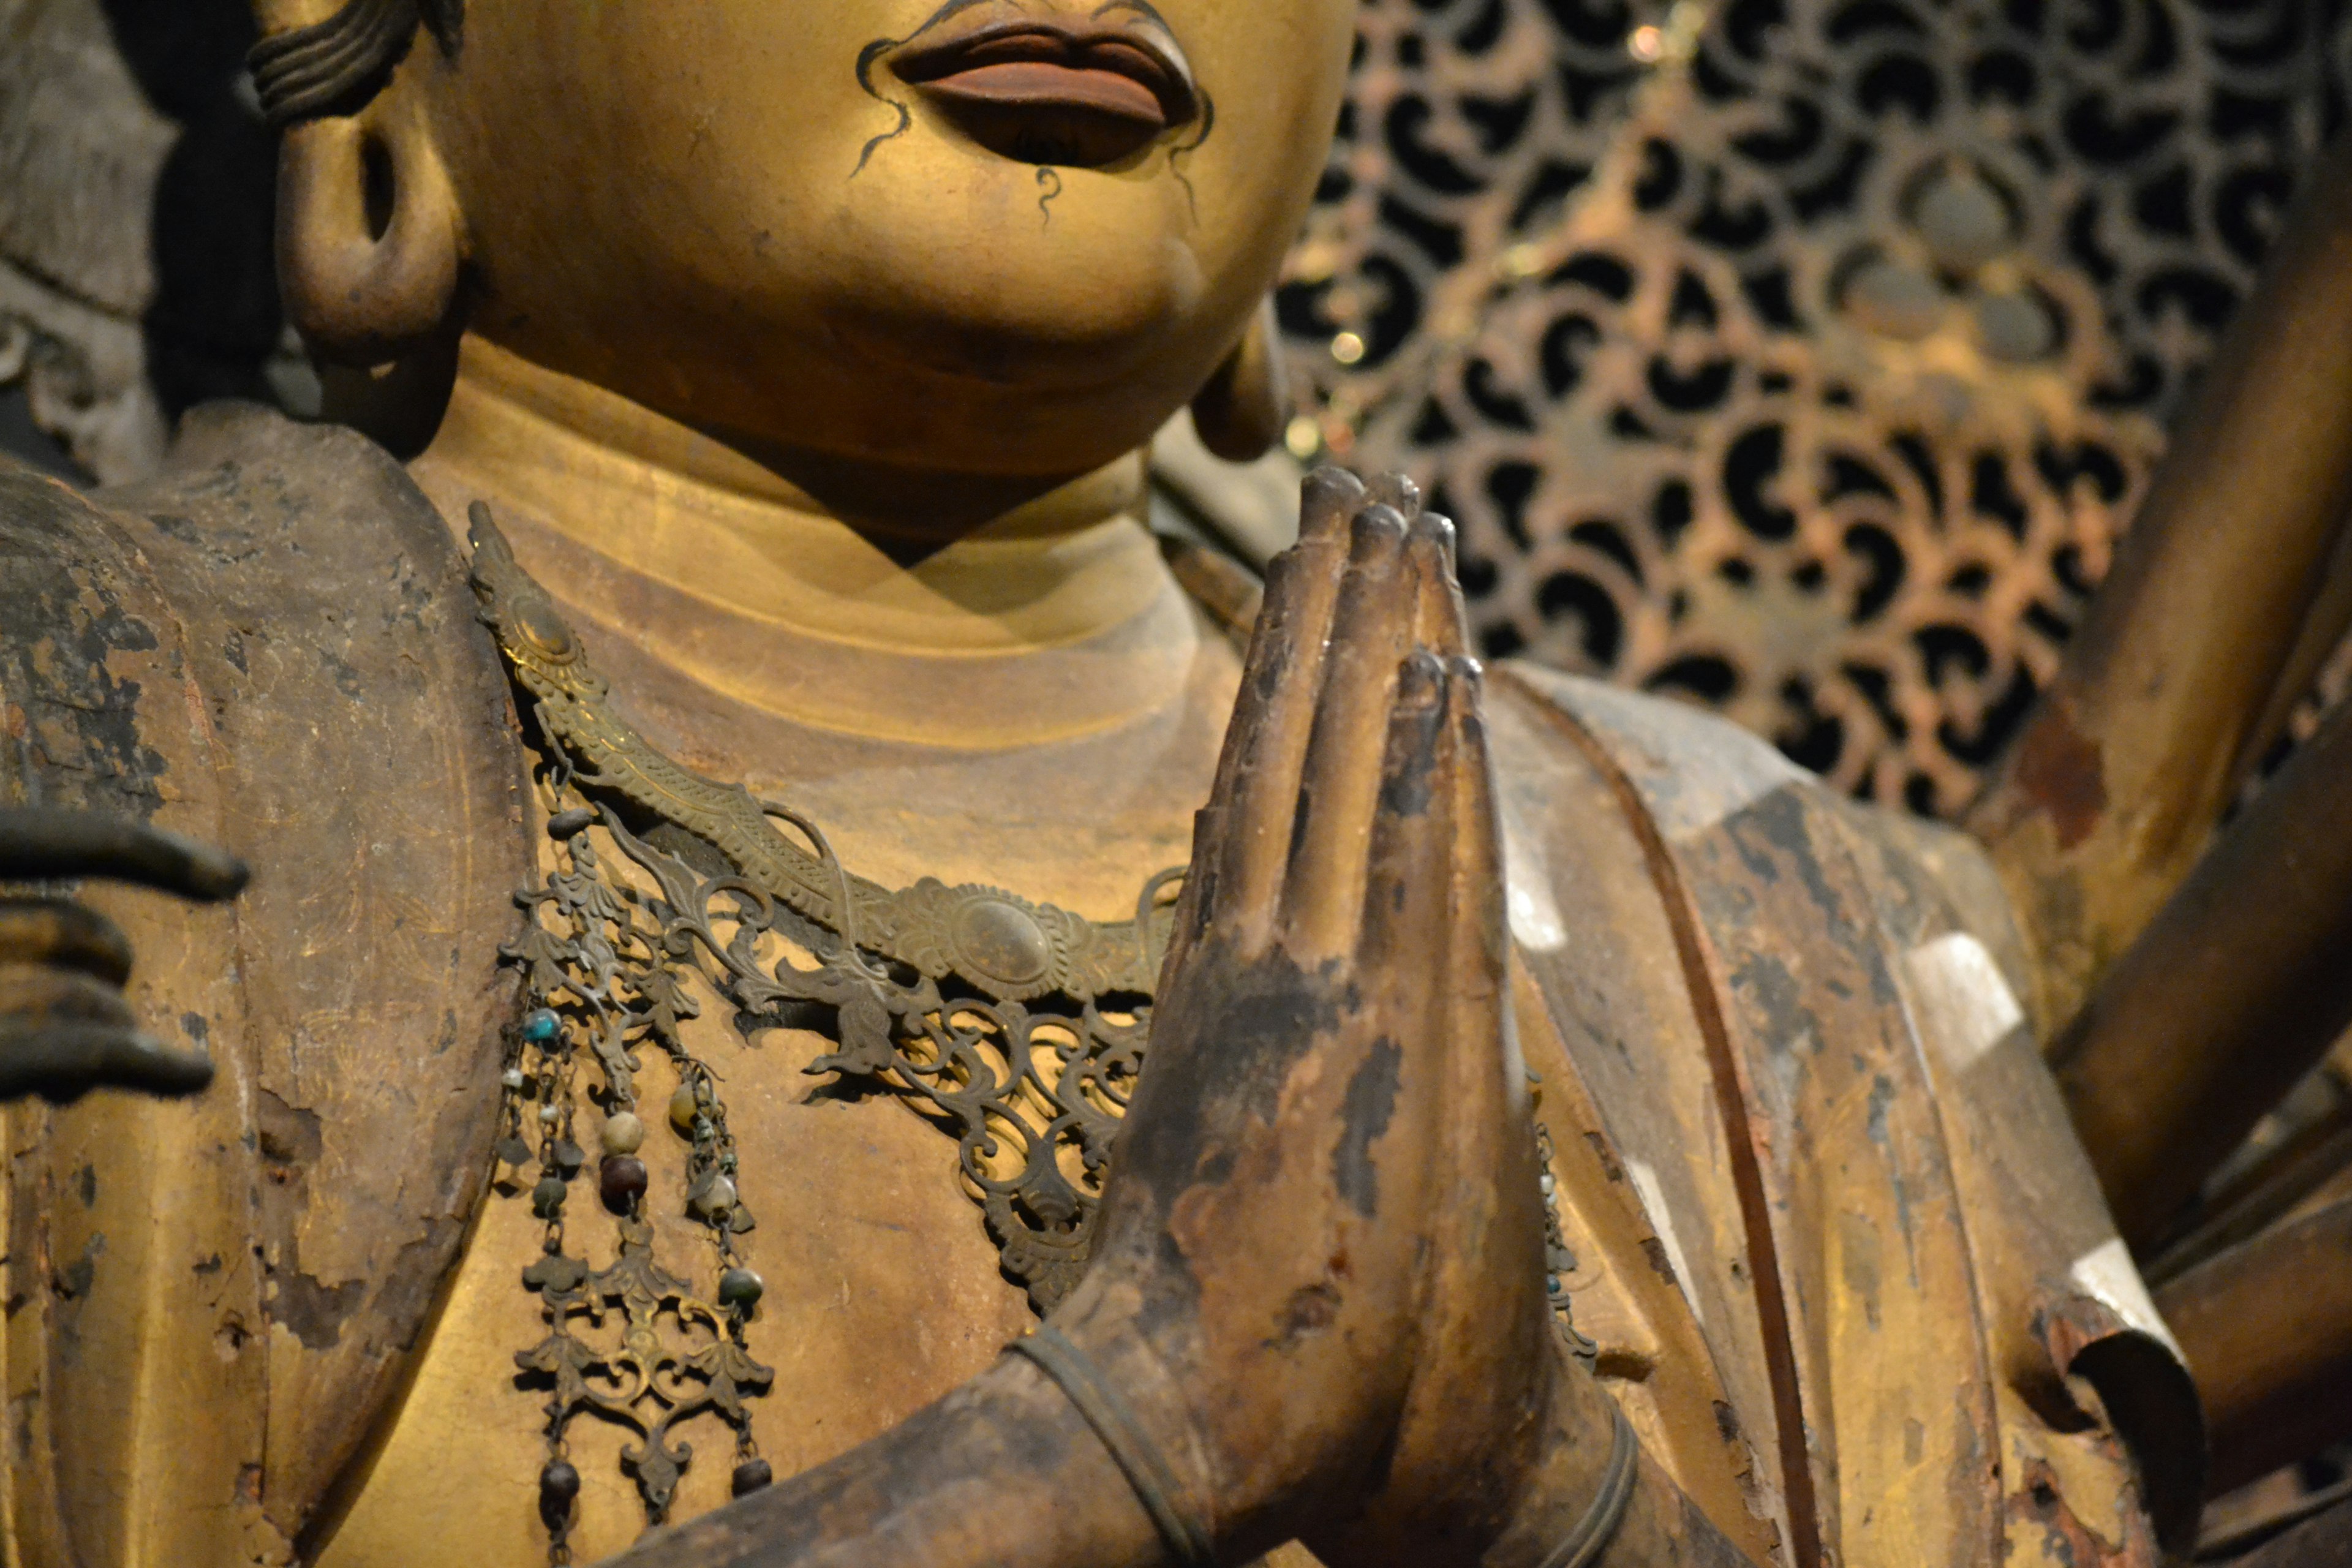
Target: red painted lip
{"points": [[1124, 75]]}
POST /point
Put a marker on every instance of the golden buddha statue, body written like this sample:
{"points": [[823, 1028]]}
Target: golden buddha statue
{"points": [[770, 616]]}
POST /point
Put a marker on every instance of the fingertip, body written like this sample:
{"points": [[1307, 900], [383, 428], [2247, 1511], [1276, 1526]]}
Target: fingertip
{"points": [[1378, 529], [215, 874], [1281, 573], [1327, 497], [1434, 531], [148, 1065], [1396, 491], [1421, 679]]}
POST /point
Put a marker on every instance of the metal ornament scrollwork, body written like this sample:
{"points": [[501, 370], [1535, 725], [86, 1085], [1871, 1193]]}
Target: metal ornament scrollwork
{"points": [[649, 1380]]}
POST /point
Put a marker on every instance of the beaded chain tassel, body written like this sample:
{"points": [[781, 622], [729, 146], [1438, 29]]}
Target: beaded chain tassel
{"points": [[631, 1342]]}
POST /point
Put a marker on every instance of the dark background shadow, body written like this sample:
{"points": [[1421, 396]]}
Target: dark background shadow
{"points": [[215, 318]]}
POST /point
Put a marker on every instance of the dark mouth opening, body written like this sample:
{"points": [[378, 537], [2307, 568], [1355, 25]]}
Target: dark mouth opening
{"points": [[1044, 94]]}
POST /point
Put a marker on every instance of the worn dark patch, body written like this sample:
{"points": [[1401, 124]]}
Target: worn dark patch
{"points": [[1775, 835], [1310, 1309], [1767, 984], [2068, 1538], [2063, 771], [1222, 1048], [1369, 1105], [86, 1182], [347, 679], [74, 1281], [1408, 779], [1882, 1095], [62, 605], [291, 1136], [313, 1312], [408, 1288]]}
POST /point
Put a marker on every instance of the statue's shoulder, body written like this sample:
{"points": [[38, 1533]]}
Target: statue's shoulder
{"points": [[289, 574], [251, 503], [1796, 1021], [272, 643], [256, 529]]}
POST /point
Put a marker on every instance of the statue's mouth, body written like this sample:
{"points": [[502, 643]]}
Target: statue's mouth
{"points": [[1042, 92]]}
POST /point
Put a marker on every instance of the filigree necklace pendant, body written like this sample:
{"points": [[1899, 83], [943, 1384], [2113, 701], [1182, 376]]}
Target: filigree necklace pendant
{"points": [[1017, 1029]]}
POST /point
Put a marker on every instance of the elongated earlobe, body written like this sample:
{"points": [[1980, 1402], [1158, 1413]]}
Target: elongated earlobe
{"points": [[367, 233], [1242, 411]]}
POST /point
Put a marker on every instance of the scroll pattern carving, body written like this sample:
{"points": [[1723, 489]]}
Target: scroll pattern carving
{"points": [[1812, 368]]}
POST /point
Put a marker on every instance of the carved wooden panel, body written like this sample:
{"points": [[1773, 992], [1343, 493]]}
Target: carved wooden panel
{"points": [[1803, 357]]}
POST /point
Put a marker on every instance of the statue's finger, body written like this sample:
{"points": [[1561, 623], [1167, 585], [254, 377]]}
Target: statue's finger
{"points": [[1440, 623], [1243, 839], [1406, 906], [60, 934], [64, 1032], [1396, 492], [1329, 498], [1371, 630], [61, 1062], [40, 844], [1477, 951], [36, 995]]}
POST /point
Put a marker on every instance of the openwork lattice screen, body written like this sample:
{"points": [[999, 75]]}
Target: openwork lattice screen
{"points": [[1804, 357]]}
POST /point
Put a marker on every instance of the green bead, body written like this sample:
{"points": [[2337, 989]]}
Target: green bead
{"points": [[740, 1288], [682, 1107], [547, 1198]]}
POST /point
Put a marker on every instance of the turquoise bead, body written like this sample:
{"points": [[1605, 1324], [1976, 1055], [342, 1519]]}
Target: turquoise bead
{"points": [[540, 1025]]}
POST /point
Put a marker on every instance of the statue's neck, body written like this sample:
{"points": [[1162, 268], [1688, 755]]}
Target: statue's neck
{"points": [[956, 613]]}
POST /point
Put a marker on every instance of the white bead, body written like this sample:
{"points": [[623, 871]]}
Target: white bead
{"points": [[716, 1196], [623, 1133]]}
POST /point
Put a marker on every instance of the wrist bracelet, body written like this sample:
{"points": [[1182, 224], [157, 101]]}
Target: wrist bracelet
{"points": [[1593, 1532], [1139, 1459]]}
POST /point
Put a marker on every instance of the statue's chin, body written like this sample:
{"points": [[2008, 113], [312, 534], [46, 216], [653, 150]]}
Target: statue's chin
{"points": [[1110, 291]]}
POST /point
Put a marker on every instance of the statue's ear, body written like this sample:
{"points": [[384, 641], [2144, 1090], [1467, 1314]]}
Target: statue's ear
{"points": [[368, 231], [1242, 411]]}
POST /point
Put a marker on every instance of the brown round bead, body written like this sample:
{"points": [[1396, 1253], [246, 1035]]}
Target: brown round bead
{"points": [[622, 1181]]}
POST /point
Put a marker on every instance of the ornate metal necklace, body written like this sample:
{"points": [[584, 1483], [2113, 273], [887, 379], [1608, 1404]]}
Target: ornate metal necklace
{"points": [[1015, 1026]]}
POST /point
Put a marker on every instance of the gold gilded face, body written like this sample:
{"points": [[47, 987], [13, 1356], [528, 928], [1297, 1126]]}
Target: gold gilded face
{"points": [[989, 236]]}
